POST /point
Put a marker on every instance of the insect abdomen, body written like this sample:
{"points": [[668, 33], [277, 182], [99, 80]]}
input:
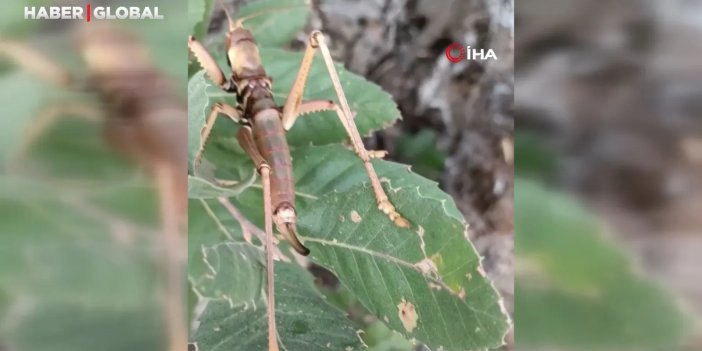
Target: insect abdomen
{"points": [[270, 140]]}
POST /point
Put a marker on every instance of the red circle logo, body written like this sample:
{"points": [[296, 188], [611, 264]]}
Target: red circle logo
{"points": [[461, 52]]}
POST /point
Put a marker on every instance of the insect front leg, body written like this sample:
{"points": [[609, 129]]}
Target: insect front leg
{"points": [[292, 109], [208, 63], [218, 109]]}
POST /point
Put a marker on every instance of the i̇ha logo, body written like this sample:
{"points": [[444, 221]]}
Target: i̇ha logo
{"points": [[87, 13], [457, 52]]}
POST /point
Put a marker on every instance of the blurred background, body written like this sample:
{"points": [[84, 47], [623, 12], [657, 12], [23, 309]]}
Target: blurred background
{"points": [[608, 168], [80, 229]]}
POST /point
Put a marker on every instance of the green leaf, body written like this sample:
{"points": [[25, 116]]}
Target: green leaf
{"points": [[20, 99], [206, 229], [426, 282], [420, 150], [380, 338], [65, 326], [570, 271], [234, 274], [374, 108], [433, 267], [305, 321], [197, 103], [81, 270], [198, 11], [199, 188], [274, 22]]}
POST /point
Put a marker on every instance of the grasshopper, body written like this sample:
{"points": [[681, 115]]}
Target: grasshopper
{"points": [[263, 127], [143, 118]]}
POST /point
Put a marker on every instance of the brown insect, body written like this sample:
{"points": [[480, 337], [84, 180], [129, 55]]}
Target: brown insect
{"points": [[263, 127], [142, 117]]}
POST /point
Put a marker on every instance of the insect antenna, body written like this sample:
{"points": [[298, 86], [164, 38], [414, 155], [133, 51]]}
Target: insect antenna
{"points": [[232, 25]]}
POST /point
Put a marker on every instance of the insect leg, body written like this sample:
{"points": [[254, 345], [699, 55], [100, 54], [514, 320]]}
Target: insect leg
{"points": [[312, 106], [217, 109], [384, 204], [245, 138], [294, 107], [172, 259], [208, 63]]}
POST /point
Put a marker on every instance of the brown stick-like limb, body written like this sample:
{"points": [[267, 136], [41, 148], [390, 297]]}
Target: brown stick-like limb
{"points": [[207, 62], [247, 142], [270, 277], [311, 106], [291, 110], [218, 109], [171, 257], [247, 226]]}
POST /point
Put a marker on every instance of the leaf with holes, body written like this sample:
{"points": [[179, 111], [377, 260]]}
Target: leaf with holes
{"points": [[425, 282]]}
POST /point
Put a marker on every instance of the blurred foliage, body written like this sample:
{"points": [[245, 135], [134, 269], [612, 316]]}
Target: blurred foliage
{"points": [[78, 223], [420, 150], [425, 283], [533, 157], [576, 290]]}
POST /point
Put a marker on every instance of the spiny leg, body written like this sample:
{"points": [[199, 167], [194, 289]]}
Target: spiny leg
{"points": [[291, 110], [245, 139], [312, 106], [208, 63], [217, 109], [215, 73]]}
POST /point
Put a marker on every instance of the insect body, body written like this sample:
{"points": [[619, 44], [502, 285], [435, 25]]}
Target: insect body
{"points": [[264, 123], [262, 134]]}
